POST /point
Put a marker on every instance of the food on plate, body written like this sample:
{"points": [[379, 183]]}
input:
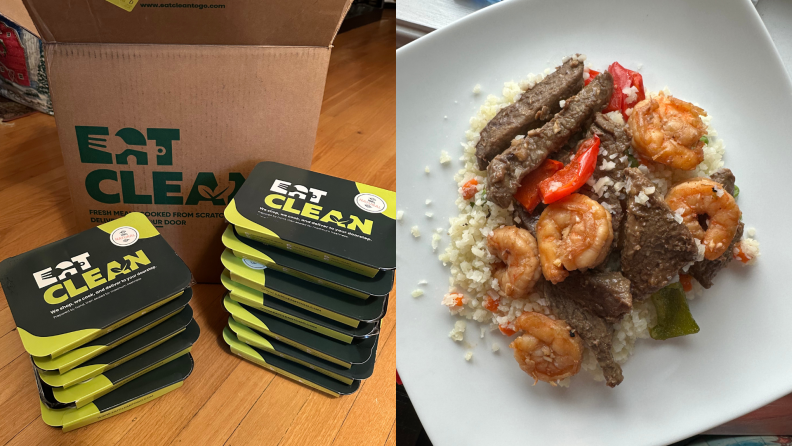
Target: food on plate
{"points": [[506, 170], [700, 197], [517, 249], [673, 314], [668, 130], [574, 233], [594, 332], [548, 349], [532, 110], [657, 244], [590, 211]]}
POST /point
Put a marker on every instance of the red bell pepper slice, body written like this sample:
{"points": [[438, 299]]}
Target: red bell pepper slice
{"points": [[624, 78], [528, 194], [573, 175]]}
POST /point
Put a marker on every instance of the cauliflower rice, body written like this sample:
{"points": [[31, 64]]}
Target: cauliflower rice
{"points": [[469, 259]]}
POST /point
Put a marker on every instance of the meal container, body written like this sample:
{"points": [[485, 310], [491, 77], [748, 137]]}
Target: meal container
{"points": [[70, 292], [326, 302], [341, 353], [308, 269], [121, 354], [346, 375], [345, 224], [297, 315], [140, 390], [297, 372], [80, 355], [81, 394]]}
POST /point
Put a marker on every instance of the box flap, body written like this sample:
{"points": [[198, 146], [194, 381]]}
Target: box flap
{"points": [[201, 22], [15, 11]]}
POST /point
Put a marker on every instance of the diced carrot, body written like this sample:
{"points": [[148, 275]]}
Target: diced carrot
{"points": [[686, 281], [469, 189], [491, 304], [458, 300], [506, 330], [741, 255]]}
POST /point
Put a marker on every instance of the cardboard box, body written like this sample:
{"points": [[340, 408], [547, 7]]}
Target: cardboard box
{"points": [[164, 108]]}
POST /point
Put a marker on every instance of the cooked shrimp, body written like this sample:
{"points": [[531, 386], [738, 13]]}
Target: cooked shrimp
{"points": [[668, 130], [573, 233], [548, 349], [516, 247], [702, 196]]}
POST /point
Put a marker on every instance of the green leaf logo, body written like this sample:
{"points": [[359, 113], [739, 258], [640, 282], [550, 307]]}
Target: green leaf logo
{"points": [[209, 193], [338, 221], [125, 268]]}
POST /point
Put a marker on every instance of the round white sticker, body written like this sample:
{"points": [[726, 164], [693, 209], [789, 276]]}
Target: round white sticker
{"points": [[253, 264], [371, 203], [124, 236]]}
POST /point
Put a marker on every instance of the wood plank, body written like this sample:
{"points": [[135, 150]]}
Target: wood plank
{"points": [[371, 417], [272, 415], [392, 437], [220, 416]]}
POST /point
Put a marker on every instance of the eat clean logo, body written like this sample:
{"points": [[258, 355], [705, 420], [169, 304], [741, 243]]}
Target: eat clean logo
{"points": [[128, 147]]}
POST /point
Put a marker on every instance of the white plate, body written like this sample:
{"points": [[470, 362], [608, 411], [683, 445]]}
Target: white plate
{"points": [[713, 52]]}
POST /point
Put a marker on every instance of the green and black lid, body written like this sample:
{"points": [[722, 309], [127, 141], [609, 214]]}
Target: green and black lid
{"points": [[84, 393], [75, 290], [121, 354], [357, 352], [340, 222], [289, 369], [308, 269], [140, 390], [85, 352], [344, 374], [297, 315], [325, 302]]}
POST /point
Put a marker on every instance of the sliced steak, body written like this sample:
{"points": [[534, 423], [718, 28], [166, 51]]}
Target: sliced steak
{"points": [[705, 271], [533, 109], [656, 247], [606, 294], [528, 221], [725, 177], [507, 169], [614, 142], [595, 333]]}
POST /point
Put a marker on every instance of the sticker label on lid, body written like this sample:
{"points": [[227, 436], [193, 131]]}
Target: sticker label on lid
{"points": [[253, 264], [371, 203], [124, 236]]}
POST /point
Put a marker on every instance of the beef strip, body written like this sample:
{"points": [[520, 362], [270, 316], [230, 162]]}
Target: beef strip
{"points": [[614, 142], [725, 177], [532, 110], [606, 294], [706, 270], [507, 169], [656, 247], [528, 220], [595, 333]]}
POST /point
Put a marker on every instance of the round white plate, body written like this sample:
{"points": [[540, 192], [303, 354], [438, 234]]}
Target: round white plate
{"points": [[713, 52]]}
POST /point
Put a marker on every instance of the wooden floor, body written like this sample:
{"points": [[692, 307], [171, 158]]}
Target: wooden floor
{"points": [[226, 400]]}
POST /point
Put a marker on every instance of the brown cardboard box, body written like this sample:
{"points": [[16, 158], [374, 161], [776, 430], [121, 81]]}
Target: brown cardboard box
{"points": [[166, 109]]}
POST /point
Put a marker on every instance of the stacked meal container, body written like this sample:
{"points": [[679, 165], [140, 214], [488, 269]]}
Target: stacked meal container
{"points": [[105, 317], [309, 264]]}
